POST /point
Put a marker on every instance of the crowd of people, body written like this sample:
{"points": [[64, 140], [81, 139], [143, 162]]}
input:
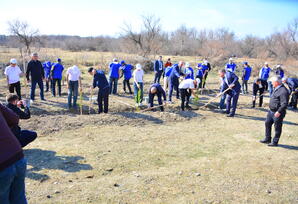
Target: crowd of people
{"points": [[179, 77]]}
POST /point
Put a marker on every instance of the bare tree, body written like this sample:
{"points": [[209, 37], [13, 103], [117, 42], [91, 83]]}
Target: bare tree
{"points": [[25, 34], [146, 41]]}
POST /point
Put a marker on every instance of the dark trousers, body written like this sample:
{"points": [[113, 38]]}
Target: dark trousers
{"points": [[103, 100], [33, 87], [244, 86], [25, 137], [73, 93], [173, 84], [157, 77], [222, 104], [270, 120], [15, 87], [232, 99], [126, 83], [255, 92], [185, 95], [48, 84], [294, 99], [204, 79], [54, 82], [201, 82], [113, 82], [159, 99]]}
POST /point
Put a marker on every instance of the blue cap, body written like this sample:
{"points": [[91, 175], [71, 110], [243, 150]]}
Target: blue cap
{"points": [[246, 63], [122, 62], [59, 60]]}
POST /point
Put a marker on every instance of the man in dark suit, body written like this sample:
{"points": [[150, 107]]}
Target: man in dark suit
{"points": [[293, 86], [277, 105], [158, 69], [230, 81]]}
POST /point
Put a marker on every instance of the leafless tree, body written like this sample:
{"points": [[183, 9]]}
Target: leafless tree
{"points": [[26, 35]]}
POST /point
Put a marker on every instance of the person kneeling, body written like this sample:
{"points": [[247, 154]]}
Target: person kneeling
{"points": [[24, 136], [156, 89], [186, 88]]}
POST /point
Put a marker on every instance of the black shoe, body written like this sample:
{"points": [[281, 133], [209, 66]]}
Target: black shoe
{"points": [[272, 144], [230, 115], [252, 106], [265, 141], [43, 99], [188, 107]]}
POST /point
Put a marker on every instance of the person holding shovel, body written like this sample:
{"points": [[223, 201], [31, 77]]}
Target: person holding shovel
{"points": [[258, 86], [156, 89], [232, 88], [100, 81], [138, 84], [186, 88]]}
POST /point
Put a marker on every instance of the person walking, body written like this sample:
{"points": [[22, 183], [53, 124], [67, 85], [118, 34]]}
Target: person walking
{"points": [[36, 72], [47, 66], [13, 73]]}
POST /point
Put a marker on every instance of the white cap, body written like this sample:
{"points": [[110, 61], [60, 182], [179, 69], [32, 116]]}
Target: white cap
{"points": [[284, 79], [187, 64], [266, 63], [278, 66], [115, 60], [231, 59], [13, 61], [205, 62], [138, 66]]}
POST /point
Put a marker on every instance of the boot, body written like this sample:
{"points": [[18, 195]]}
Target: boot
{"points": [[266, 141], [273, 144]]}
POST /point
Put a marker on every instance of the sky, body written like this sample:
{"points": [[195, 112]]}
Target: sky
{"points": [[106, 17]]}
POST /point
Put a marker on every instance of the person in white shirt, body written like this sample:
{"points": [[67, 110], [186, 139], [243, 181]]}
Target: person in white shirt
{"points": [[138, 84], [73, 78], [186, 88], [13, 73]]}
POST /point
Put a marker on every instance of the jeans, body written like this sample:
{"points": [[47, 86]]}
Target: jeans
{"points": [[26, 136], [222, 104], [173, 84], [103, 96], [270, 88], [12, 183], [232, 99], [15, 86], [138, 92], [73, 93], [244, 86], [270, 120], [157, 77], [126, 82], [54, 81], [113, 82], [33, 87], [185, 95]]}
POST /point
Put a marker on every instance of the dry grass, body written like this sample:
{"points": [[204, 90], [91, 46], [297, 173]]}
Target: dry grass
{"points": [[126, 156]]}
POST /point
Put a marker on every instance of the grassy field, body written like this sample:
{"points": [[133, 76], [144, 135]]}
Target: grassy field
{"points": [[129, 156]]}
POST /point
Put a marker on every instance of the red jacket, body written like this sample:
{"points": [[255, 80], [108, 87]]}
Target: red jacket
{"points": [[168, 64], [10, 148]]}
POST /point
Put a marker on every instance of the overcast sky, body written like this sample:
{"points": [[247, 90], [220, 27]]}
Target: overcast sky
{"points": [[105, 17]]}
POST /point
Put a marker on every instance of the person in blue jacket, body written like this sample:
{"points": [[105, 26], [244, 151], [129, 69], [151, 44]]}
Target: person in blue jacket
{"points": [[230, 81], [47, 66], [246, 72], [56, 76], [158, 69], [202, 70], [279, 71], [167, 74], [156, 89], [264, 74], [174, 79], [100, 81], [127, 73], [114, 76], [231, 66], [188, 72], [293, 86]]}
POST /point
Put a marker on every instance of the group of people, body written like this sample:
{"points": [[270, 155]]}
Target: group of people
{"points": [[180, 77]]}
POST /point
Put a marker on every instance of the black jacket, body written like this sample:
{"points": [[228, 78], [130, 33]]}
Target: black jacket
{"points": [[279, 99], [22, 115], [36, 70]]}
